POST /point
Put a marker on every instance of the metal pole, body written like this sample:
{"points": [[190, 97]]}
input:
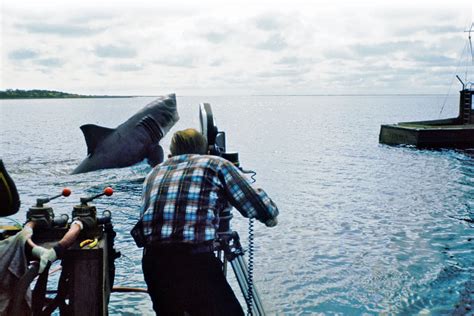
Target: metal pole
{"points": [[241, 274]]}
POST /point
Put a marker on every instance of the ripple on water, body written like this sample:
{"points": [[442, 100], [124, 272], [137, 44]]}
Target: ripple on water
{"points": [[364, 229]]}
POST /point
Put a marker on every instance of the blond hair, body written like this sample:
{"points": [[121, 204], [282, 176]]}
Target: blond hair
{"points": [[188, 141]]}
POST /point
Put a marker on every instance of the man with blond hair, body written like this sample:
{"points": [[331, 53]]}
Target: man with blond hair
{"points": [[181, 202]]}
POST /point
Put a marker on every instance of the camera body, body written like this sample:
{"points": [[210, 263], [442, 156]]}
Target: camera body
{"points": [[215, 139]]}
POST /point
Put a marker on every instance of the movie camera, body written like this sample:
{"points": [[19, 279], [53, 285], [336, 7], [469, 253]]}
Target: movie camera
{"points": [[228, 245], [215, 138]]}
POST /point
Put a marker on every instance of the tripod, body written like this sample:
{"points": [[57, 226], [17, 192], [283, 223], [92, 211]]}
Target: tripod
{"points": [[229, 249]]}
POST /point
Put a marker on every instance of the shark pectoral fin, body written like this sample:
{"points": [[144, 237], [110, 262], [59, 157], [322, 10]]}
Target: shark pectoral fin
{"points": [[94, 135], [155, 155]]}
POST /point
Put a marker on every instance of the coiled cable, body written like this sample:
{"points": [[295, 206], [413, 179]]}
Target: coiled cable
{"points": [[250, 264], [249, 298]]}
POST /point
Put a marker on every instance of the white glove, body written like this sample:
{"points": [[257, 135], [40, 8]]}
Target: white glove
{"points": [[45, 256], [25, 233]]}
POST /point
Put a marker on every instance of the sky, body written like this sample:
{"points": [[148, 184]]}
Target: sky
{"points": [[205, 47]]}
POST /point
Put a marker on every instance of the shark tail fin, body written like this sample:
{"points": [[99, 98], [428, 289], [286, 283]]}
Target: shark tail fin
{"points": [[94, 135]]}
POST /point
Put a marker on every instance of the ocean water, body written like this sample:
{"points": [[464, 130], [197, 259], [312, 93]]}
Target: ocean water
{"points": [[364, 228]]}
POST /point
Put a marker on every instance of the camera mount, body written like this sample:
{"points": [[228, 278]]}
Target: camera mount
{"points": [[228, 246]]}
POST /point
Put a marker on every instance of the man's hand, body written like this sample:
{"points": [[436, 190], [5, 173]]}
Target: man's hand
{"points": [[271, 222], [45, 256]]}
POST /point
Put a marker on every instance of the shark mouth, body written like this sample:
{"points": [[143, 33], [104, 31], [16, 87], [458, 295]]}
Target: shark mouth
{"points": [[152, 128]]}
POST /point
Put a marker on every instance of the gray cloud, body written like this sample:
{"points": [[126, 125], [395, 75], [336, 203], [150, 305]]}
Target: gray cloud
{"points": [[443, 29], [283, 73], [268, 23], [430, 29], [49, 62], [35, 57], [386, 48], [128, 67], [274, 43], [22, 54], [176, 61], [64, 30], [340, 53], [437, 60], [292, 60], [114, 51], [381, 70], [216, 37], [217, 63]]}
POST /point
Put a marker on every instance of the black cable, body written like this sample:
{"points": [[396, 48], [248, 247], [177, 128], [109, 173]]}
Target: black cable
{"points": [[249, 298], [251, 172], [250, 265]]}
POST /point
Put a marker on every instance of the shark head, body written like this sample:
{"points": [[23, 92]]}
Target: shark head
{"points": [[164, 111]]}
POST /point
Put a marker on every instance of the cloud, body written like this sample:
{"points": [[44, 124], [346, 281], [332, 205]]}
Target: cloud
{"points": [[284, 43], [185, 61], [49, 62], [293, 60], [128, 67], [35, 57], [22, 54], [61, 29], [386, 48], [274, 43], [435, 60], [216, 63], [216, 37], [339, 53], [268, 23], [115, 51], [430, 29], [283, 73]]}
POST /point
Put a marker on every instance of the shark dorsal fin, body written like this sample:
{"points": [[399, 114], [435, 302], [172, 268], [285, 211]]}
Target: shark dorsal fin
{"points": [[94, 135]]}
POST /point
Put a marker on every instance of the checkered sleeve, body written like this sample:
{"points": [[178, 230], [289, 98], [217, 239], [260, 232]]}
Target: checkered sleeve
{"points": [[147, 191], [144, 199], [250, 202]]}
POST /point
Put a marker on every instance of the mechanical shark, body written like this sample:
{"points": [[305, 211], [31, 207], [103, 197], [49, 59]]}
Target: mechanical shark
{"points": [[132, 141]]}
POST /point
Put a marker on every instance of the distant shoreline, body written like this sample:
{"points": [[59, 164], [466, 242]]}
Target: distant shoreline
{"points": [[83, 97], [11, 94]]}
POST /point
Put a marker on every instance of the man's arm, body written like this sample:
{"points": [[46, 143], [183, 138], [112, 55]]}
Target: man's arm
{"points": [[250, 202], [50, 255]]}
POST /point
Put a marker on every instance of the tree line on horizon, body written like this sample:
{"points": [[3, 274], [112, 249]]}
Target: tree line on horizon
{"points": [[38, 94]]}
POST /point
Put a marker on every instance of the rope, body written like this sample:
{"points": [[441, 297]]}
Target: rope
{"points": [[452, 80], [470, 44]]}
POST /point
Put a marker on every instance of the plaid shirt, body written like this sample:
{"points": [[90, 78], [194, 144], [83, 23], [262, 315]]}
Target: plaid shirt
{"points": [[183, 197]]}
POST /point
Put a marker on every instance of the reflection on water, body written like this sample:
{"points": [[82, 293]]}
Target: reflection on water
{"points": [[364, 228]]}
